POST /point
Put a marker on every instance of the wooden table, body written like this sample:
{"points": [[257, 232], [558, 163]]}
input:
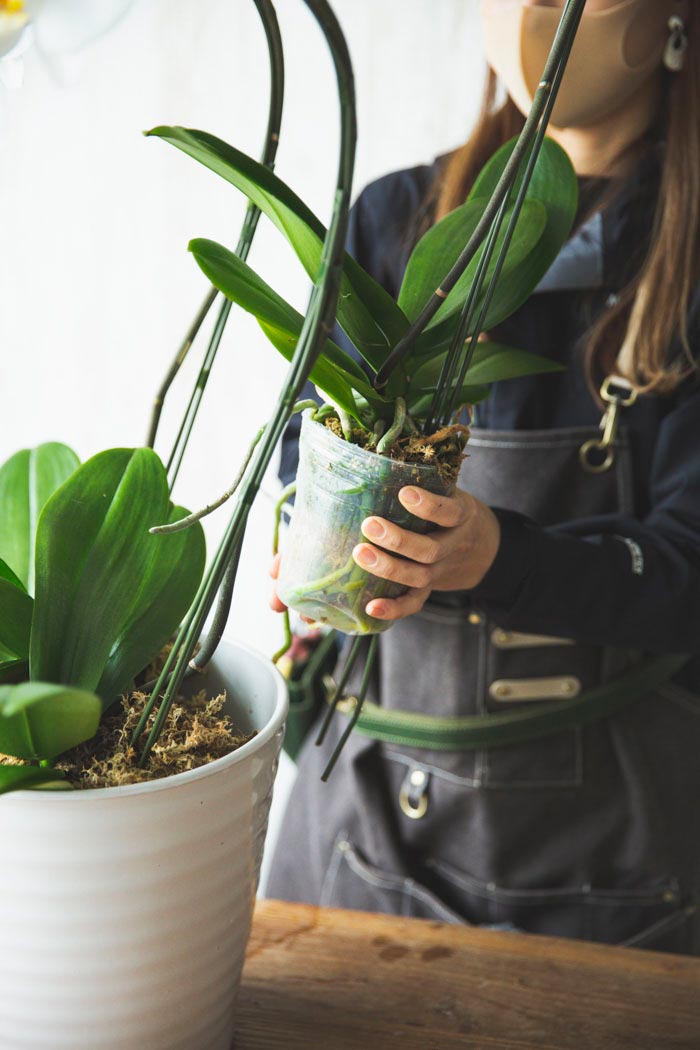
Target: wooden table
{"points": [[346, 980]]}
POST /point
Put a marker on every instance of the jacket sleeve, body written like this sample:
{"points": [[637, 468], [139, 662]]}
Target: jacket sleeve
{"points": [[613, 580]]}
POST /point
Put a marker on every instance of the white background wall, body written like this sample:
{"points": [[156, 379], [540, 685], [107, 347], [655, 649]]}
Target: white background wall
{"points": [[96, 285]]}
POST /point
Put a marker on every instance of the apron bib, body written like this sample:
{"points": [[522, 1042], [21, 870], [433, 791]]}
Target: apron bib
{"points": [[582, 834]]}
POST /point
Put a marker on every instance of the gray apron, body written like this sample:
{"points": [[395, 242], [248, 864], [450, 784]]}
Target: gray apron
{"points": [[591, 833]]}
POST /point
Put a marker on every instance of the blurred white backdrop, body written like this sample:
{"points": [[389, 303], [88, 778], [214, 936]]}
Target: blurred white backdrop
{"points": [[96, 284]]}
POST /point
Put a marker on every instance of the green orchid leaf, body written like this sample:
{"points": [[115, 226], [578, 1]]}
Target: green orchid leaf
{"points": [[366, 312], [16, 609], [439, 248], [554, 187], [42, 720], [166, 592], [22, 778], [420, 405], [6, 573], [15, 625], [27, 480], [491, 363], [334, 372], [553, 183], [331, 381], [102, 587]]}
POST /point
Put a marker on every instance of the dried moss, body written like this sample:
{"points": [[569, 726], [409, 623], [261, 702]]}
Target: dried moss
{"points": [[196, 733], [443, 450]]}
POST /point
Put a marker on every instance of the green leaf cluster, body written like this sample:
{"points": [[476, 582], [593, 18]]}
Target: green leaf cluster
{"points": [[371, 319], [87, 595]]}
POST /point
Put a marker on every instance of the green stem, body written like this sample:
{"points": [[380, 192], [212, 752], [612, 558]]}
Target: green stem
{"points": [[284, 496], [360, 699], [317, 324], [268, 18], [339, 689], [346, 422], [322, 583], [323, 412], [394, 431], [286, 644]]}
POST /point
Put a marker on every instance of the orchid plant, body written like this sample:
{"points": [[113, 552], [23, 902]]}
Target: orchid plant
{"points": [[371, 319], [87, 597]]}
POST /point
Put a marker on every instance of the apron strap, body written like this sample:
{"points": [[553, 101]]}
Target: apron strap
{"points": [[471, 733]]}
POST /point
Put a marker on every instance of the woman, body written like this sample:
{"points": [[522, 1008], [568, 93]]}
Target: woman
{"points": [[558, 563]]}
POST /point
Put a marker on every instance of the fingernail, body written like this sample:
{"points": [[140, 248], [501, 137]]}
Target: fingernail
{"points": [[411, 496], [365, 555], [376, 609], [373, 528]]}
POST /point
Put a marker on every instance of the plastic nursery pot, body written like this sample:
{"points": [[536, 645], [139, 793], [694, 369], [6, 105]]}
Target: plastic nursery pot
{"points": [[125, 912], [338, 485]]}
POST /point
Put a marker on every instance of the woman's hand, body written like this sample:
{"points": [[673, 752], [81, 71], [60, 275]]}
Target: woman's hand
{"points": [[454, 557], [275, 603]]}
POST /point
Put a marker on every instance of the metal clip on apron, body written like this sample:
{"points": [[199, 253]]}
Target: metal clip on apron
{"points": [[411, 729], [617, 393]]}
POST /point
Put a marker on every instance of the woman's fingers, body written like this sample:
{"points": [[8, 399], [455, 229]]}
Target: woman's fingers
{"points": [[425, 549], [275, 604], [447, 511], [398, 608], [399, 570]]}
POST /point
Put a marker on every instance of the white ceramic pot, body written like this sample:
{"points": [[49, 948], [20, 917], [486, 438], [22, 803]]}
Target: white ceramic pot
{"points": [[125, 912]]}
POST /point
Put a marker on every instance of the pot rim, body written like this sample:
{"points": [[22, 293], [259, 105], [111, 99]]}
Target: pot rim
{"points": [[363, 453], [274, 723]]}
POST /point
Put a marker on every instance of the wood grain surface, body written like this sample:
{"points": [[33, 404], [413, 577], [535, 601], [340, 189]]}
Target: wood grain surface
{"points": [[347, 980]]}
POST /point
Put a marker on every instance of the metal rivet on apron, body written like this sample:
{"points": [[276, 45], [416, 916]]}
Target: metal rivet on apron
{"points": [[343, 846], [612, 300], [519, 640], [549, 688], [475, 619], [413, 795]]}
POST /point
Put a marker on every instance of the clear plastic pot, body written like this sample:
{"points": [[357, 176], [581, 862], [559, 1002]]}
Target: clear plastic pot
{"points": [[338, 486]]}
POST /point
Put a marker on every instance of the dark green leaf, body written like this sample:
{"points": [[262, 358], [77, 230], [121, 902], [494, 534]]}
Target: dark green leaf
{"points": [[334, 372], [42, 720], [328, 379], [554, 187], [439, 248], [15, 621], [15, 624], [21, 778], [6, 573], [93, 554], [27, 480], [491, 363], [553, 183], [366, 312]]}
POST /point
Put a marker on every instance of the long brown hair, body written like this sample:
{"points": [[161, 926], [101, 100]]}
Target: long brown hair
{"points": [[651, 313]]}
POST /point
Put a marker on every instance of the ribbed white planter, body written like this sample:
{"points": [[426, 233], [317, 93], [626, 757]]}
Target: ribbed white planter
{"points": [[125, 912]]}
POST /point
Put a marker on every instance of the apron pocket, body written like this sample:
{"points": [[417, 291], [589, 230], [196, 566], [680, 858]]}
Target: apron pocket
{"points": [[651, 916], [352, 882]]}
